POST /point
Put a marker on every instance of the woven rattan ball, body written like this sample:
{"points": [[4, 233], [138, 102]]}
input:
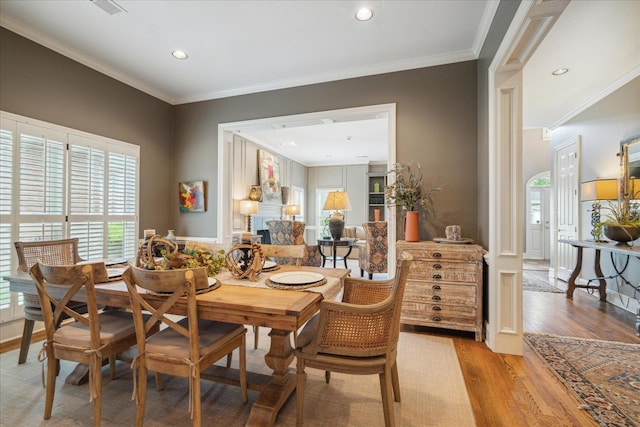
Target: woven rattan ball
{"points": [[244, 261]]}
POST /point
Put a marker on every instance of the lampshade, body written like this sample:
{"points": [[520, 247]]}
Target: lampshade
{"points": [[248, 207], [337, 200], [292, 210], [599, 189]]}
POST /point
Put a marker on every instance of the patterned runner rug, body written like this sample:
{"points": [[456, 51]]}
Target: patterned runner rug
{"points": [[532, 283], [603, 375]]}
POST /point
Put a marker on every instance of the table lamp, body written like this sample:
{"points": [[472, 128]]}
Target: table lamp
{"points": [[596, 191], [337, 201], [247, 208], [292, 210]]}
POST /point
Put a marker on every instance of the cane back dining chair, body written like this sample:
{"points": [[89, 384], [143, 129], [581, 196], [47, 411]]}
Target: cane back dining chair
{"points": [[50, 252], [373, 256], [357, 336], [89, 339], [184, 348]]}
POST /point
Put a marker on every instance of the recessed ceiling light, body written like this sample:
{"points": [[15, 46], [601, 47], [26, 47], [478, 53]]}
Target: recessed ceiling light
{"points": [[364, 14], [560, 71], [179, 54]]}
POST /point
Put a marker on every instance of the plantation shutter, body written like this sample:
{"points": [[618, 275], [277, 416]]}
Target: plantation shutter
{"points": [[122, 201], [87, 177], [7, 130], [57, 183]]}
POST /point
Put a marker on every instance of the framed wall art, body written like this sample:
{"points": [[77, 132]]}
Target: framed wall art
{"points": [[269, 176], [192, 196]]}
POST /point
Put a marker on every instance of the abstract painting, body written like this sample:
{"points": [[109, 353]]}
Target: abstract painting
{"points": [[192, 196]]}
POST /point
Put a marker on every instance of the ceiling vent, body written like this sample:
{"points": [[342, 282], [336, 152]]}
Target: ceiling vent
{"points": [[109, 6]]}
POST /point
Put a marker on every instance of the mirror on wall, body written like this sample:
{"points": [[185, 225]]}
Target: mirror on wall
{"points": [[630, 168]]}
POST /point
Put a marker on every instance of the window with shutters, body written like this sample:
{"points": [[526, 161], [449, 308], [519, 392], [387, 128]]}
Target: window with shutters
{"points": [[57, 183]]}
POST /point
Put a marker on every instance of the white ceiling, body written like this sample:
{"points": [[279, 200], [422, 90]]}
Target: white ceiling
{"points": [[239, 47]]}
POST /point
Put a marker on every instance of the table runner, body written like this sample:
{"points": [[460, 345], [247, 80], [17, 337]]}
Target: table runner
{"points": [[326, 290]]}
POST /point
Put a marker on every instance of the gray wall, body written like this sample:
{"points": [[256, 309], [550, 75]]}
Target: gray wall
{"points": [[436, 125], [501, 21], [39, 83]]}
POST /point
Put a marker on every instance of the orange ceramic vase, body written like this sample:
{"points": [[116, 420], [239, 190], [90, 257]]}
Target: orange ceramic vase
{"points": [[412, 227]]}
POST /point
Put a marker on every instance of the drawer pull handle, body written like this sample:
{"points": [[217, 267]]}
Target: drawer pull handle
{"points": [[437, 255], [437, 266], [436, 319], [437, 308], [436, 298], [437, 276], [436, 287]]}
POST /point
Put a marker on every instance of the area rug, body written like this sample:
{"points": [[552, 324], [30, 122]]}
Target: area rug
{"points": [[603, 375], [432, 389], [532, 283]]}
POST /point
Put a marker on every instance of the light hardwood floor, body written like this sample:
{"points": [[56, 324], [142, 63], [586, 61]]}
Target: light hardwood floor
{"points": [[510, 390]]}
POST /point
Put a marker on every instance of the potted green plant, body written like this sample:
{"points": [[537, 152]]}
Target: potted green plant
{"points": [[622, 223], [406, 192]]}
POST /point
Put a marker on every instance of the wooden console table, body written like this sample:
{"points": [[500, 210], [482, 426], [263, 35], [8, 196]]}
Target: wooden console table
{"points": [[600, 278]]}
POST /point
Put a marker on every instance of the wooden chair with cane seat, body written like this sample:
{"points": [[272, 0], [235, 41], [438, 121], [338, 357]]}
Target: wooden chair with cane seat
{"points": [[357, 336], [184, 348], [276, 253], [89, 339], [51, 252]]}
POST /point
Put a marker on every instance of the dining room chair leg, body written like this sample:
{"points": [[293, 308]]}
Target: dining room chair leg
{"points": [[158, 381], [112, 366], [197, 415], [243, 369], [141, 399], [327, 376], [229, 359], [256, 331], [27, 332], [300, 380], [395, 381], [387, 404], [52, 372], [97, 401]]}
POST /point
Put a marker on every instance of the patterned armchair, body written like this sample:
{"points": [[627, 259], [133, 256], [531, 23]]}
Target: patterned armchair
{"points": [[373, 255], [287, 232]]}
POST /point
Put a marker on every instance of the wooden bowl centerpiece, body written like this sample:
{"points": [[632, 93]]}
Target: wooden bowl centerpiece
{"points": [[163, 274]]}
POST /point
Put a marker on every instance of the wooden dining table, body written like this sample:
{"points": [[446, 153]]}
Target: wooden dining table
{"points": [[283, 311]]}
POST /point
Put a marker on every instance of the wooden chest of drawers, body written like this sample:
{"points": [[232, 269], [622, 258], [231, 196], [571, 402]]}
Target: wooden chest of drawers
{"points": [[444, 287]]}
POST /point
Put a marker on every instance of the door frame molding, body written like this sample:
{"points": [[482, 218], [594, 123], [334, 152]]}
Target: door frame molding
{"points": [[530, 25], [226, 131]]}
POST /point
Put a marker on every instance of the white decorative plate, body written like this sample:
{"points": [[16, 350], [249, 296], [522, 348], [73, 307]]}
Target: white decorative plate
{"points": [[463, 241], [296, 278], [269, 265]]}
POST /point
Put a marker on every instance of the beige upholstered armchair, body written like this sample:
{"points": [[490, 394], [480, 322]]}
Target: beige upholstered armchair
{"points": [[357, 336], [373, 255]]}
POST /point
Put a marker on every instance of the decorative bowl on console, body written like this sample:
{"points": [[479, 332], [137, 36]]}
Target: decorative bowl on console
{"points": [[621, 233]]}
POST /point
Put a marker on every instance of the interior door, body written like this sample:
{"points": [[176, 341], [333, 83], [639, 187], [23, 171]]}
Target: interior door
{"points": [[535, 223], [567, 164]]}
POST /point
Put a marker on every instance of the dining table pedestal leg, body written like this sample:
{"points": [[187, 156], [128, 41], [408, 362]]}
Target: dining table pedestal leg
{"points": [[265, 409]]}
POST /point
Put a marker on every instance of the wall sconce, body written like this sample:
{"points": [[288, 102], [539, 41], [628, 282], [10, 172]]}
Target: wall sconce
{"points": [[292, 210], [248, 208], [337, 201], [597, 190]]}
